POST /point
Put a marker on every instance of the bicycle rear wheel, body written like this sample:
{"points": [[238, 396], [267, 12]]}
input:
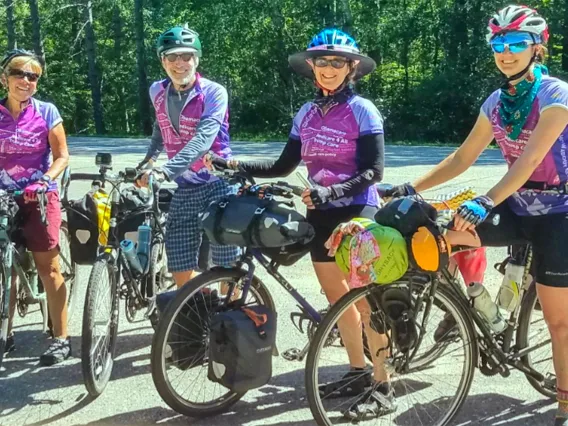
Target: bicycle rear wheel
{"points": [[3, 306], [430, 396], [533, 332], [179, 356], [100, 326], [68, 269]]}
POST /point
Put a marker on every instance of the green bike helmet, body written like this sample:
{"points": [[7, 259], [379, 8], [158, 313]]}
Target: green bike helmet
{"points": [[179, 40]]}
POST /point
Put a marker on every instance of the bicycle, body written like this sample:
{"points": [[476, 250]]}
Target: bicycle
{"points": [[15, 258], [104, 289], [441, 396], [232, 288]]}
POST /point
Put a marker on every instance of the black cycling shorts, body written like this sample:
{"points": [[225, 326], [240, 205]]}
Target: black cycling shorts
{"points": [[548, 235], [325, 221]]}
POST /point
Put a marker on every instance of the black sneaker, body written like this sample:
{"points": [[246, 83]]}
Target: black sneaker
{"points": [[58, 351], [377, 401], [561, 421], [353, 383], [447, 329], [10, 344]]}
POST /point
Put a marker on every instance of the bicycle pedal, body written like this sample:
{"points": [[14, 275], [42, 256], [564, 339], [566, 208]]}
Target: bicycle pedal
{"points": [[292, 354]]}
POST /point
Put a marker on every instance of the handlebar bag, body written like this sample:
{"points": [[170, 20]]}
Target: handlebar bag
{"points": [[406, 214], [249, 221]]}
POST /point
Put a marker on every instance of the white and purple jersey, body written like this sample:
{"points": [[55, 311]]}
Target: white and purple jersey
{"points": [[329, 143], [207, 100], [553, 170], [24, 144]]}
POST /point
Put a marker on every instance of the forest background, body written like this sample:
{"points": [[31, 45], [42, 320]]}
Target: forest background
{"points": [[434, 65]]}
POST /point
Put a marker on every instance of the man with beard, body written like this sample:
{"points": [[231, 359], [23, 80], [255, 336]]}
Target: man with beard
{"points": [[191, 120]]}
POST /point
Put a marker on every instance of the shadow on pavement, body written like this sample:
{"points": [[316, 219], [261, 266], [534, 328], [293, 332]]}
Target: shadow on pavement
{"points": [[23, 381], [285, 396]]}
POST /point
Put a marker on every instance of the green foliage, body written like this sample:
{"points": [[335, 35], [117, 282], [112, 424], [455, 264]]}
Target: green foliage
{"points": [[434, 67]]}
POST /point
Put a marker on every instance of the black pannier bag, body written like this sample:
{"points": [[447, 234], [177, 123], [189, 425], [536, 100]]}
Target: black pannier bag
{"points": [[247, 221], [241, 346], [406, 214], [188, 336], [83, 229]]}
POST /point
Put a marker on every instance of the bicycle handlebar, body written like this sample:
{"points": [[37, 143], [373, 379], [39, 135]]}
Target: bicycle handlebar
{"points": [[86, 176]]}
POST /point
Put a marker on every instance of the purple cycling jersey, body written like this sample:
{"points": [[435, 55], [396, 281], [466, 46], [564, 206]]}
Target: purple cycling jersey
{"points": [[553, 170], [206, 99], [329, 143], [24, 144]]}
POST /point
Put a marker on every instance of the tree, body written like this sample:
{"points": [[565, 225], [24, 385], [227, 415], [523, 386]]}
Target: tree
{"points": [[143, 97], [94, 77], [11, 30], [36, 30]]}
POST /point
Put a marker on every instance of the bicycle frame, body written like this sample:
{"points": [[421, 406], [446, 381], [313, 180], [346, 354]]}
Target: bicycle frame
{"points": [[499, 354], [11, 262]]}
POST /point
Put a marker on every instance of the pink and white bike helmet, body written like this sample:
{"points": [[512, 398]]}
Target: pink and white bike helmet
{"points": [[518, 18]]}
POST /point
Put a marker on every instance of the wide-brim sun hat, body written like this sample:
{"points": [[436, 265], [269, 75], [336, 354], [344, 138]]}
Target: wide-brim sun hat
{"points": [[331, 42]]}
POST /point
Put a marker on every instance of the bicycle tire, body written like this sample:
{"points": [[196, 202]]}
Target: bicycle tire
{"points": [[527, 307], [159, 342], [73, 270], [463, 319], [95, 380], [3, 322], [157, 254]]}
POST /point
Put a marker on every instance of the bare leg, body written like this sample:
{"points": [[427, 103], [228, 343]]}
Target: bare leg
{"points": [[47, 264]]}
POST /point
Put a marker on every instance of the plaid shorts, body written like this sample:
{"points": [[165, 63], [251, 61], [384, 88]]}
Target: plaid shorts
{"points": [[184, 231]]}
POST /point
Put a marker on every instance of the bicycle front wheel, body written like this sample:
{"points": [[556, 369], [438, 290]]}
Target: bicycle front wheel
{"points": [[429, 396], [181, 342], [100, 326]]}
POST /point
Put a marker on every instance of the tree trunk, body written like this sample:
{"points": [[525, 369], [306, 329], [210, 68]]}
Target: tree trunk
{"points": [[143, 96], [9, 5], [565, 39], [36, 30], [347, 17], [117, 24], [94, 77]]}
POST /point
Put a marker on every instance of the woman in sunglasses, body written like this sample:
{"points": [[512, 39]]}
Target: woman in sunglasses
{"points": [[528, 117], [31, 132], [339, 136]]}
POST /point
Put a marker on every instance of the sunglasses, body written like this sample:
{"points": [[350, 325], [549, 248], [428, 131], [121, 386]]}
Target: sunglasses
{"points": [[336, 63], [21, 74], [515, 47], [186, 57], [516, 42]]}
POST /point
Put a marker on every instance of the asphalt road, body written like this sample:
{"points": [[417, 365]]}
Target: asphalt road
{"points": [[30, 395]]}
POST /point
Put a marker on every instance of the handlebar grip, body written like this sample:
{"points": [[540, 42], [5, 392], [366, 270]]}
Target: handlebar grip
{"points": [[86, 176]]}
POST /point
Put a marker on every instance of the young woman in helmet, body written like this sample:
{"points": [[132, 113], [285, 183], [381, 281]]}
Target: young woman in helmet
{"points": [[31, 133], [528, 117], [339, 136]]}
